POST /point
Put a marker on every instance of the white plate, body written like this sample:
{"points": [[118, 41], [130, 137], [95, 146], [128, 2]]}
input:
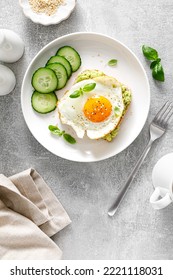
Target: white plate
{"points": [[62, 13], [95, 50]]}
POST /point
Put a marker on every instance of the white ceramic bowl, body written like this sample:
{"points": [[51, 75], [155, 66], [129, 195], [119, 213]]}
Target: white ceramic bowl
{"points": [[95, 51], [62, 13]]}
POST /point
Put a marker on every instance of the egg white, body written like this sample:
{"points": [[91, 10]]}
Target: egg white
{"points": [[71, 109]]}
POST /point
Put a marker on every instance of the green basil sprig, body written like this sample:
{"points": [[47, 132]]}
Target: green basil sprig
{"points": [[76, 93], [112, 62], [89, 87], [69, 138], [86, 88], [117, 111], [153, 63], [56, 131], [158, 72], [156, 66], [149, 53]]}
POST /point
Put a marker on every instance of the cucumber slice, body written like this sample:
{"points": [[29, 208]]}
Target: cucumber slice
{"points": [[60, 72], [63, 61], [71, 55], [43, 102], [44, 80]]}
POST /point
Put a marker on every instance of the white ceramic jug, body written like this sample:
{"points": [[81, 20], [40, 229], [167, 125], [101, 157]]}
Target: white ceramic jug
{"points": [[11, 46], [162, 177]]}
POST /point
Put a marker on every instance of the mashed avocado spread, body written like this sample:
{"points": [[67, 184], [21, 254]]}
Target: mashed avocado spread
{"points": [[126, 94]]}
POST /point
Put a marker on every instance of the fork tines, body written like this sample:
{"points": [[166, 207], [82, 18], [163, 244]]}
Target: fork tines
{"points": [[164, 114]]}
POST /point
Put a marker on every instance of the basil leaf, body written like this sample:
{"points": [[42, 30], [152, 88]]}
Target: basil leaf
{"points": [[117, 111], [152, 65], [69, 138], [55, 130], [75, 94], [112, 62], [89, 87], [149, 53], [158, 72]]}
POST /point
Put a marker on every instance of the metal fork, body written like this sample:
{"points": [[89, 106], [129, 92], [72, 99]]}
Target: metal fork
{"points": [[157, 129]]}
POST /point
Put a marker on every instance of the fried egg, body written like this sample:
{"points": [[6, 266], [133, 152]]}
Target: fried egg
{"points": [[96, 112]]}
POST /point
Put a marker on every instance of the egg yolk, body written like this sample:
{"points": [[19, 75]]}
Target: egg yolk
{"points": [[97, 109]]}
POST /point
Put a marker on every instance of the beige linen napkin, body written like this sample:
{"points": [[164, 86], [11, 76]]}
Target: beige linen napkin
{"points": [[29, 215]]}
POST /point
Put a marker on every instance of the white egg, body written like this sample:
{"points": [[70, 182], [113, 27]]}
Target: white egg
{"points": [[7, 80], [96, 112]]}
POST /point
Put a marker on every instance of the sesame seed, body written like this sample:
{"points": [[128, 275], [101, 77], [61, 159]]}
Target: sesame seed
{"points": [[48, 7]]}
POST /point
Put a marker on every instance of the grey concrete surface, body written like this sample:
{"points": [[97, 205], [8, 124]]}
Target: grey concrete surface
{"points": [[86, 190]]}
